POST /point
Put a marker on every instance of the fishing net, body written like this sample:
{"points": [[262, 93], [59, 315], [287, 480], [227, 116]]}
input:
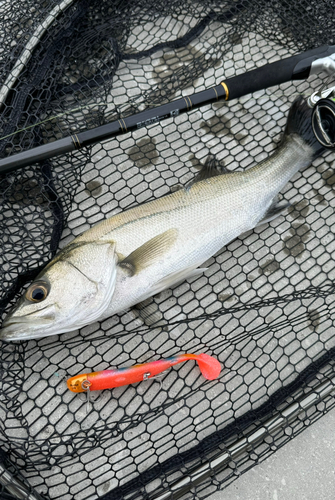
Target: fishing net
{"points": [[265, 306]]}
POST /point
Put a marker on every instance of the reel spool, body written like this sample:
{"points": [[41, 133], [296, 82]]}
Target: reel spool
{"points": [[323, 122]]}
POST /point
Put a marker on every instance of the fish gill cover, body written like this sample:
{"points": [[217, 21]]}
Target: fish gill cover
{"points": [[265, 306]]}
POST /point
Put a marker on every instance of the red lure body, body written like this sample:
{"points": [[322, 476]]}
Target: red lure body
{"points": [[108, 379]]}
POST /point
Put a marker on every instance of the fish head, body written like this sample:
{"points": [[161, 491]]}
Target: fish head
{"points": [[72, 291]]}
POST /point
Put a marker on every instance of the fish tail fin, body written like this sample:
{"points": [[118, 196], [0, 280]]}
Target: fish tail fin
{"points": [[299, 122]]}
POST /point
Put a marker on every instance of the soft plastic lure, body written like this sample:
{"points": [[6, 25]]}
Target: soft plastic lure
{"points": [[107, 379]]}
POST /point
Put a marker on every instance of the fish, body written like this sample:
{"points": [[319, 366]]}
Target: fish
{"points": [[139, 252], [108, 379]]}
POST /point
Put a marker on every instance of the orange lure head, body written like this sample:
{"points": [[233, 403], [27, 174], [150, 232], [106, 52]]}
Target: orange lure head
{"points": [[78, 383]]}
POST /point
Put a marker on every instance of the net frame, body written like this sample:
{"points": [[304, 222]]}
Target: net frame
{"points": [[315, 303]]}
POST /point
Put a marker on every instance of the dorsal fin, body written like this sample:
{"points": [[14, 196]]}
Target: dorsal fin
{"points": [[212, 168]]}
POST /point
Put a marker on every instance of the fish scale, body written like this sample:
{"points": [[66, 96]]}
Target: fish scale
{"points": [[211, 214], [136, 254]]}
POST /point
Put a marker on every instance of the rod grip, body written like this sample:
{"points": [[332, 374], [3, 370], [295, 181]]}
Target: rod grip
{"points": [[292, 68]]}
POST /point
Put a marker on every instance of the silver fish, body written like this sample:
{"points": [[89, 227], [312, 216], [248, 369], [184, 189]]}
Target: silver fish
{"points": [[140, 252]]}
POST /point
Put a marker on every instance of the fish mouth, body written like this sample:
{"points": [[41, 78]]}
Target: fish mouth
{"points": [[26, 327], [17, 331]]}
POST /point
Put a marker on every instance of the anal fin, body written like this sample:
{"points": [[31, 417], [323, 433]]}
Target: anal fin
{"points": [[274, 211]]}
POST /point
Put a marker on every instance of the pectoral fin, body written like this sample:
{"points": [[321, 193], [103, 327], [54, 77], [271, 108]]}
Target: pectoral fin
{"points": [[149, 252]]}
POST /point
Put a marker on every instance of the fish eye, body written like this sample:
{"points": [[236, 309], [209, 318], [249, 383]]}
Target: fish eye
{"points": [[37, 292]]}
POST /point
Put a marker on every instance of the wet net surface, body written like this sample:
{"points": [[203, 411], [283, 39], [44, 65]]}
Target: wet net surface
{"points": [[264, 307]]}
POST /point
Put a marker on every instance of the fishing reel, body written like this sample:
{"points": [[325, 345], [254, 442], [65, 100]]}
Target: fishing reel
{"points": [[323, 114], [323, 122]]}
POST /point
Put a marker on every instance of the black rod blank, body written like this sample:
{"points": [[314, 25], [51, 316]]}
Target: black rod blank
{"points": [[292, 68]]}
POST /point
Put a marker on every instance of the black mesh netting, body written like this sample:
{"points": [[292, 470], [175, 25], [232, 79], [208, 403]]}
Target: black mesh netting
{"points": [[264, 307]]}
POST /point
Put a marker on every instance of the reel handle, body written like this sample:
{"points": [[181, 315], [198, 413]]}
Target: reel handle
{"points": [[323, 122]]}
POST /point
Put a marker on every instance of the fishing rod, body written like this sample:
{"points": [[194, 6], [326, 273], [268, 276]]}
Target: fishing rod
{"points": [[298, 67]]}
